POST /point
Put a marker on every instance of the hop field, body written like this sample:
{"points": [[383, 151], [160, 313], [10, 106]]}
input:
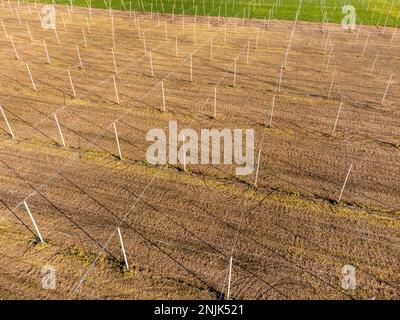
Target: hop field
{"points": [[78, 196]]}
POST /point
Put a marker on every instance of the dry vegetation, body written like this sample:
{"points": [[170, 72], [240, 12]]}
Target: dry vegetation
{"points": [[290, 237]]}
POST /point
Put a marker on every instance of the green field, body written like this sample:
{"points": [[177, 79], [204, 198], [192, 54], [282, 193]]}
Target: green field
{"points": [[372, 12]]}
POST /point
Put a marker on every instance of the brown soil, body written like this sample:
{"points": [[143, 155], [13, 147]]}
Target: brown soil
{"points": [[290, 237]]}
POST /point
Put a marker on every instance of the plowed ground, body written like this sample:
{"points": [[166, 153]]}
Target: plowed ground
{"points": [[289, 237]]}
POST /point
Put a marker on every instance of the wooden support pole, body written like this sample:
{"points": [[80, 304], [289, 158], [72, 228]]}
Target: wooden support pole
{"points": [[144, 44], [225, 35], [59, 130], [331, 86], [114, 62], [123, 248], [374, 63], [248, 52], [18, 17], [257, 168], [151, 65], [280, 78], [358, 32], [393, 34], [329, 58], [84, 37], [30, 75], [29, 8], [56, 34], [191, 67], [345, 182], [229, 278], [337, 118], [72, 84], [365, 46], [176, 46], [387, 88], [79, 56], [7, 123], [117, 140], [116, 90], [88, 25], [33, 221], [272, 111], [15, 49], [234, 73], [113, 31], [45, 49], [163, 96], [29, 31], [211, 48], [257, 36], [184, 161], [215, 103], [4, 28], [63, 22]]}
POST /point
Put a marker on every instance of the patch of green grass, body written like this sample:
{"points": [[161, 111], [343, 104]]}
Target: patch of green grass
{"points": [[3, 231], [40, 245], [371, 12], [90, 153], [39, 142], [80, 254]]}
